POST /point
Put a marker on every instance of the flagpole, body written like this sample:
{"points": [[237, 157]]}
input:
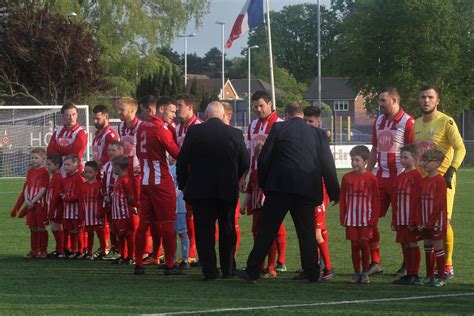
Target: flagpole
{"points": [[270, 53]]}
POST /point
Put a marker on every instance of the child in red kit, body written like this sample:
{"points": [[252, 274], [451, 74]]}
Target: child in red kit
{"points": [[432, 220], [73, 213], [34, 196], [123, 208], [406, 205], [91, 202], [359, 211], [55, 204]]}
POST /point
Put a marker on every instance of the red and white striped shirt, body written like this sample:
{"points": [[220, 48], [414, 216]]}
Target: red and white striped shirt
{"points": [[359, 204], [71, 199], [100, 144], [36, 179], [182, 128], [406, 203], [121, 208], [257, 135], [434, 214], [68, 142], [55, 203], [154, 142], [91, 200], [388, 136], [108, 180]]}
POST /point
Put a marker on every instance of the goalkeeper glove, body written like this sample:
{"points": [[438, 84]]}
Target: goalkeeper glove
{"points": [[448, 176]]}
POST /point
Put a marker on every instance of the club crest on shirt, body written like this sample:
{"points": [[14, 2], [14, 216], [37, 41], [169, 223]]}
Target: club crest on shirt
{"points": [[431, 132]]}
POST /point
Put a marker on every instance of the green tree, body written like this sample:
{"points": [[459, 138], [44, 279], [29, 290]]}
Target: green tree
{"points": [[408, 43], [294, 40], [129, 32], [40, 62]]}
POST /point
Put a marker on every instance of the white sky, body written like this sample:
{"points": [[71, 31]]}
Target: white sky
{"points": [[209, 35]]}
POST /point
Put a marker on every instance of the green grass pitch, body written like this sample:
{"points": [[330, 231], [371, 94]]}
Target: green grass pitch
{"points": [[78, 287]]}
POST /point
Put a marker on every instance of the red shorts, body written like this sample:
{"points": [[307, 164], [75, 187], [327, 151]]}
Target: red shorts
{"points": [[122, 227], [72, 224], [94, 228], [405, 235], [358, 233], [37, 216], [158, 204], [433, 235], [385, 194], [320, 217]]}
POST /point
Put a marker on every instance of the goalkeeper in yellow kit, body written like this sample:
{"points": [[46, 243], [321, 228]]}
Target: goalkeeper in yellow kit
{"points": [[438, 130]]}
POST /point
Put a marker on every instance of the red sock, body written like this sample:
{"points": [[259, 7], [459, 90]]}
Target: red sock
{"points": [[281, 244], [324, 251], [131, 245], [101, 237], [430, 261], [375, 245], [192, 240], [169, 242], [440, 262], [156, 236], [43, 240], [121, 245], [66, 239], [413, 266], [59, 237], [355, 252], [81, 241], [90, 242], [35, 241], [74, 242], [406, 255], [148, 241], [365, 250], [106, 236], [140, 241], [237, 233]]}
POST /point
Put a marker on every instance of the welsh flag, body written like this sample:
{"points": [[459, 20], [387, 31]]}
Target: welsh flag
{"points": [[250, 17]]}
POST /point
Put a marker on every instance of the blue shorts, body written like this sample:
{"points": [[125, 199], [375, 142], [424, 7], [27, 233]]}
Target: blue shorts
{"points": [[180, 224]]}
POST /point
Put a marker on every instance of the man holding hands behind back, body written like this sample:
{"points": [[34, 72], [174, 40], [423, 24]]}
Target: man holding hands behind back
{"points": [[293, 161], [212, 160]]}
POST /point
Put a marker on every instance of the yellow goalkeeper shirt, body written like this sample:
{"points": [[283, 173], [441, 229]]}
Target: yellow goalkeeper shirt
{"points": [[441, 133]]}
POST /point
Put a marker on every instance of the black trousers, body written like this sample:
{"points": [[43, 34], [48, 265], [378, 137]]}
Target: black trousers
{"points": [[206, 212], [274, 211]]}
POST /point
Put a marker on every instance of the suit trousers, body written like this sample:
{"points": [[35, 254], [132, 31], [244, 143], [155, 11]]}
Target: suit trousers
{"points": [[274, 210], [206, 212]]}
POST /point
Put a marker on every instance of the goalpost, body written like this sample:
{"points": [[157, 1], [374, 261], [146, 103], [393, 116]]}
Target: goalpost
{"points": [[23, 127]]}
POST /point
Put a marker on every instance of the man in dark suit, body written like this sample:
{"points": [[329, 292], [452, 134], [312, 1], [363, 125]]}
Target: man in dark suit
{"points": [[212, 160], [293, 161]]}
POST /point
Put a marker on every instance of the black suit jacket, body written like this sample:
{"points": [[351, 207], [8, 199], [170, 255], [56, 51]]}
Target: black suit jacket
{"points": [[211, 162], [295, 158]]}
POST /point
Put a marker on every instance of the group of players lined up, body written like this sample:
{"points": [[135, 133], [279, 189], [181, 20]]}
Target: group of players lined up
{"points": [[163, 214]]}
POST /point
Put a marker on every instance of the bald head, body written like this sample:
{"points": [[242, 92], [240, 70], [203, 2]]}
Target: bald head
{"points": [[215, 109]]}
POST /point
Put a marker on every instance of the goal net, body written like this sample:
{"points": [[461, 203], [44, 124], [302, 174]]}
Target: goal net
{"points": [[24, 127]]}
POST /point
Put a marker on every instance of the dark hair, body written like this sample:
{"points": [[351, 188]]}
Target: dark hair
{"points": [[432, 86], [121, 162], [361, 151], [261, 95], [93, 165], [433, 155], [100, 108], [393, 92], [164, 102], [312, 111], [68, 106], [189, 99], [412, 149], [293, 108], [147, 101], [74, 158], [56, 159], [116, 143]]}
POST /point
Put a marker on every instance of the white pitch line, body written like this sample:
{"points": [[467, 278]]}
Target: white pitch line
{"points": [[238, 309]]}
